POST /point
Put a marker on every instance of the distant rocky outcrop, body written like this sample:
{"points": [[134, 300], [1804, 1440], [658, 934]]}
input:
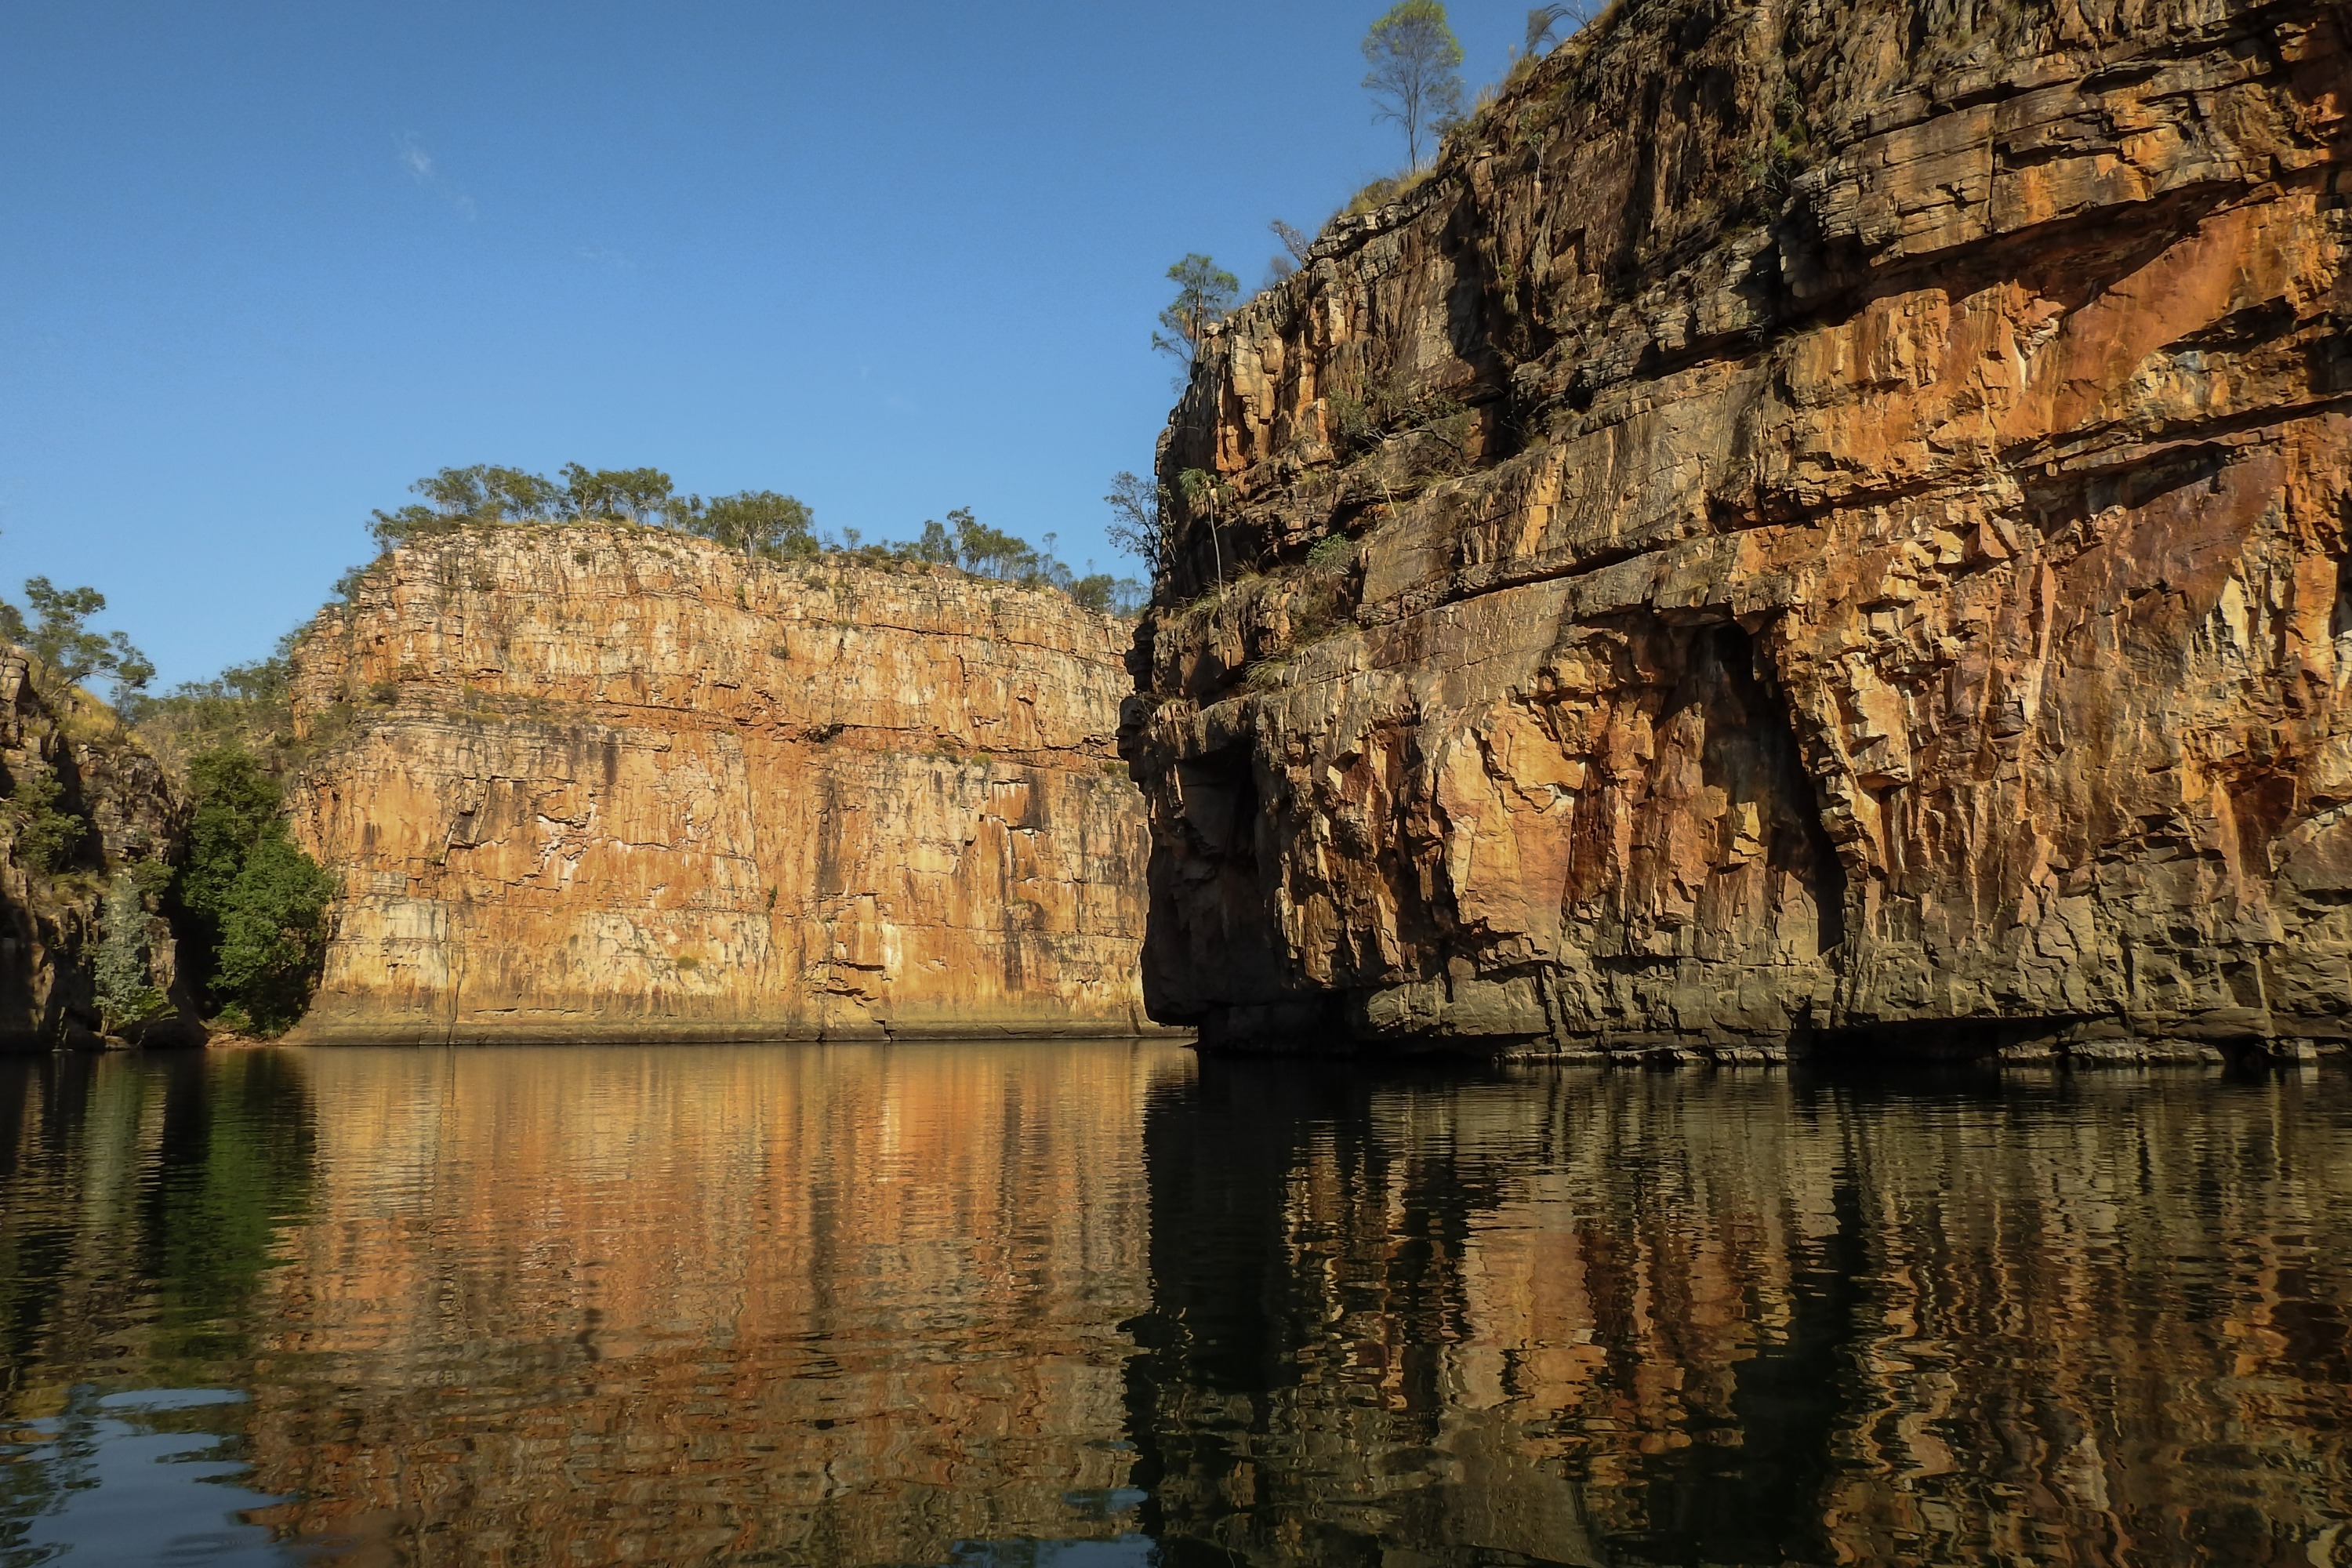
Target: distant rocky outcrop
{"points": [[1816, 521], [90, 826], [605, 782]]}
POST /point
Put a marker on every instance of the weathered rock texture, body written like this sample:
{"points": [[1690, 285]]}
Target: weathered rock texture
{"points": [[73, 777], [1817, 517], [614, 781]]}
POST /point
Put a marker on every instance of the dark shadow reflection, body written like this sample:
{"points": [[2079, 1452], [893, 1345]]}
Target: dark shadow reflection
{"points": [[145, 1195], [142, 1201], [1554, 1316]]}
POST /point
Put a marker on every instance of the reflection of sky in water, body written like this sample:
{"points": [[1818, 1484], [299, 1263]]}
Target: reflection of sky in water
{"points": [[1126, 1552], [130, 1479]]}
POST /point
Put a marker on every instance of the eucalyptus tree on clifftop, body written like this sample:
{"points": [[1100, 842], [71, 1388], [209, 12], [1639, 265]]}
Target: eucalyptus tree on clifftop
{"points": [[1415, 78], [1204, 294]]}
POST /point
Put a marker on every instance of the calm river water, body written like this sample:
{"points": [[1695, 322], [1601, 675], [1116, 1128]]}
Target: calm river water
{"points": [[1085, 1305]]}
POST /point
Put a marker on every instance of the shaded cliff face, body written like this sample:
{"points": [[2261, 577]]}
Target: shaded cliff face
{"points": [[84, 804], [1817, 517], [603, 779]]}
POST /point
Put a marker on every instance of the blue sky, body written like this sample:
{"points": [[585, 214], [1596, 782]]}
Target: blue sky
{"points": [[261, 265]]}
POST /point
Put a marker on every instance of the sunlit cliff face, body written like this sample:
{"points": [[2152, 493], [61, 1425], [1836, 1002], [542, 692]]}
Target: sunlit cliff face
{"points": [[599, 782], [846, 1307]]}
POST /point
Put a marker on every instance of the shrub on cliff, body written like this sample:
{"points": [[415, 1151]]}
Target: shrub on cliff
{"points": [[46, 836], [273, 933], [252, 905], [127, 993], [247, 706], [762, 523], [758, 522]]}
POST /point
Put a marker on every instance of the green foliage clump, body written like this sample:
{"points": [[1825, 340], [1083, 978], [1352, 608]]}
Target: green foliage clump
{"points": [[1331, 552], [249, 707], [60, 639], [273, 933], [762, 523], [47, 835], [252, 902], [757, 522], [125, 994], [972, 547]]}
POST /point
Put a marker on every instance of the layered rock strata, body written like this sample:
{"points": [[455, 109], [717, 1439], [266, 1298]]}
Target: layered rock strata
{"points": [[1815, 520], [83, 804], [617, 783]]}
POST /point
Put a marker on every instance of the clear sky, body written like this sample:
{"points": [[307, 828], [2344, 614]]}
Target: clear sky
{"points": [[261, 265]]}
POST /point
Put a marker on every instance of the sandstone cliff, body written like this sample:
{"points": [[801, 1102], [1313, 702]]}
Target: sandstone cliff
{"points": [[1815, 518], [613, 782], [85, 806]]}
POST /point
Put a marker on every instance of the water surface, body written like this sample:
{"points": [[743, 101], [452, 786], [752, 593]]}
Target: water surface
{"points": [[1093, 1304]]}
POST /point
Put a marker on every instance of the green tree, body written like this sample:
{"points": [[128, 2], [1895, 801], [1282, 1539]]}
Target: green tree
{"points": [[254, 903], [936, 544], [617, 495], [236, 806], [125, 993], [484, 492], [47, 834], [1204, 295], [248, 705], [757, 522], [986, 551], [273, 933], [1097, 591], [60, 640], [1415, 78]]}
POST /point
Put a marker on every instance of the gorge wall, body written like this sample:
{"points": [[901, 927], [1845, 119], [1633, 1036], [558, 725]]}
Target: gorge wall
{"points": [[1816, 521], [610, 781], [85, 811]]}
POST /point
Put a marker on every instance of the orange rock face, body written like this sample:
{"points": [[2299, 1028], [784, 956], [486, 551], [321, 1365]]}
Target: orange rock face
{"points": [[1813, 521], [604, 780]]}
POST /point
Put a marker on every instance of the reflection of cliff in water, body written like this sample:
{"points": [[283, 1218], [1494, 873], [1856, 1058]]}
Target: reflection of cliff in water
{"points": [[791, 1305], [1732, 1320]]}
